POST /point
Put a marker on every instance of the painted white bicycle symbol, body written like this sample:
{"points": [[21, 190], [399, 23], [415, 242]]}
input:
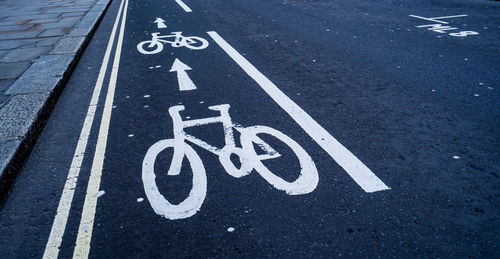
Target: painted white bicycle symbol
{"points": [[155, 45], [249, 160]]}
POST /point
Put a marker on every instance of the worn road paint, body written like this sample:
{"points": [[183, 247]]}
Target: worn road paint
{"points": [[437, 27], [160, 23], [360, 173], [437, 19], [82, 247], [185, 83], [463, 33], [440, 28], [305, 183], [183, 6], [61, 218]]}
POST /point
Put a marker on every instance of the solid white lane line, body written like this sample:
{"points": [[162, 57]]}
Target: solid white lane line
{"points": [[89, 207], [184, 6], [361, 174], [61, 218]]}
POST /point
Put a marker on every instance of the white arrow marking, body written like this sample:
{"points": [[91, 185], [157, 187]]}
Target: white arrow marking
{"points": [[160, 23], [185, 83]]}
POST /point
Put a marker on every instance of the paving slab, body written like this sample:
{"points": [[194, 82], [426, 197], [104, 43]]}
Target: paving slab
{"points": [[37, 54], [12, 70], [66, 22], [27, 54], [29, 16], [52, 33], [3, 98], [4, 85], [12, 44], [45, 20], [49, 41], [43, 76], [15, 27], [19, 35], [7, 23]]}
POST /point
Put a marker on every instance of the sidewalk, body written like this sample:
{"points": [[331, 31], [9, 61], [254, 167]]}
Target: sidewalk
{"points": [[40, 42]]}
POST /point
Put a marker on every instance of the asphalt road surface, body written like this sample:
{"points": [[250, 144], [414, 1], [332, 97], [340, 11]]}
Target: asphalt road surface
{"points": [[271, 128]]}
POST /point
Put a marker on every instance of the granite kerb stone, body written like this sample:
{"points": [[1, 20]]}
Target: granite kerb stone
{"points": [[68, 45], [43, 75], [25, 106], [9, 152], [91, 18], [80, 32], [21, 120]]}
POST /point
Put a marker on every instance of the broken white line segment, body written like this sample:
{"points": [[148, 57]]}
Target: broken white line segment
{"points": [[361, 174]]}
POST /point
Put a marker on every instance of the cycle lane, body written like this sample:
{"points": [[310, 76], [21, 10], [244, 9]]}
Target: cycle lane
{"points": [[432, 198], [143, 96], [151, 90]]}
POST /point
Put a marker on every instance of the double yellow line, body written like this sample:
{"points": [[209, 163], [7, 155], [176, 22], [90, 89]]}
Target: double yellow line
{"points": [[87, 220]]}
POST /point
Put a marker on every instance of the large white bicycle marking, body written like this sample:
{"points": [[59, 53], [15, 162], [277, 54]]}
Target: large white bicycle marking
{"points": [[155, 45], [249, 159]]}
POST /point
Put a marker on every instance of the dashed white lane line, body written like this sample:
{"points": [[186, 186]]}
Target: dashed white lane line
{"points": [[84, 237], [360, 173], [61, 218], [183, 6]]}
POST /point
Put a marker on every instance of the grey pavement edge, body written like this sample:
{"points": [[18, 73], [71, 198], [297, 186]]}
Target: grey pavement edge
{"points": [[35, 94]]}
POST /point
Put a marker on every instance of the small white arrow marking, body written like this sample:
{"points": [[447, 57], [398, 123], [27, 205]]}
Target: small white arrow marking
{"points": [[185, 83], [160, 23]]}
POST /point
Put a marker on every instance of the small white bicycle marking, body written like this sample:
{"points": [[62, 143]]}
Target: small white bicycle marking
{"points": [[249, 160], [155, 45]]}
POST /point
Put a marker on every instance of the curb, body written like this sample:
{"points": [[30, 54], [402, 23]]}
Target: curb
{"points": [[35, 94]]}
